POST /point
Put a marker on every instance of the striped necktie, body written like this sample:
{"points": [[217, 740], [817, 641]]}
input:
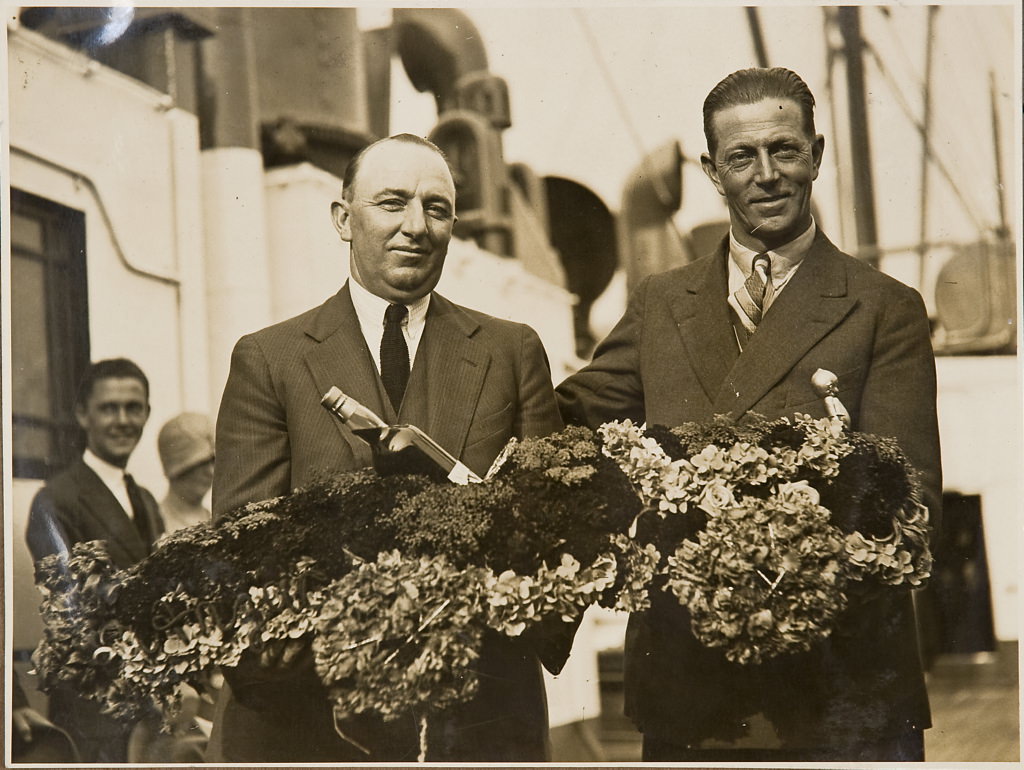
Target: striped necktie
{"points": [[755, 290]]}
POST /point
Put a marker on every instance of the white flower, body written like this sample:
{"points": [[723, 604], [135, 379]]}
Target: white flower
{"points": [[717, 498], [514, 629], [798, 492], [568, 568]]}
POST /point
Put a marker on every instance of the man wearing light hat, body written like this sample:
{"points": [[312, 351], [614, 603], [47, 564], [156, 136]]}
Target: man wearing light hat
{"points": [[185, 444]]}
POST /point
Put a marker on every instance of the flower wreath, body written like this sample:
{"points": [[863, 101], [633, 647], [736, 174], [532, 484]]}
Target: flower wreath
{"points": [[758, 529], [764, 564]]}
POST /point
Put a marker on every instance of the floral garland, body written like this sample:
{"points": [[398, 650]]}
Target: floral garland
{"points": [[406, 627], [758, 529], [395, 616], [763, 578], [763, 564]]}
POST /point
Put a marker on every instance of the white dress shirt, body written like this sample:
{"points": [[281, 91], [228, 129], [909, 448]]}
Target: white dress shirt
{"points": [[370, 312], [112, 476], [785, 261]]}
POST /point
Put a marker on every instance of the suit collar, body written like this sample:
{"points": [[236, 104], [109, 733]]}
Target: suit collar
{"points": [[784, 259], [371, 309], [448, 376], [448, 312], [336, 313], [111, 476], [342, 360], [339, 313]]}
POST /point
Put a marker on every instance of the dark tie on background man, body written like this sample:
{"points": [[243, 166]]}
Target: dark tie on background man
{"points": [[394, 355], [752, 295], [139, 513]]}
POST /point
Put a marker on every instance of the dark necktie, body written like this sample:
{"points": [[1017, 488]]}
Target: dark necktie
{"points": [[751, 296], [394, 355], [139, 514]]}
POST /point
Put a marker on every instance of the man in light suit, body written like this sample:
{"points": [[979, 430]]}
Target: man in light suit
{"points": [[95, 499], [470, 381], [734, 334]]}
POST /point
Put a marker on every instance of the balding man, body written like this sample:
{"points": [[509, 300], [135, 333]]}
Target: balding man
{"points": [[469, 380]]}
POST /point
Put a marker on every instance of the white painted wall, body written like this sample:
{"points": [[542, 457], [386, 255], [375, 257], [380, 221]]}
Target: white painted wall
{"points": [[980, 423], [237, 267], [308, 261], [135, 179]]}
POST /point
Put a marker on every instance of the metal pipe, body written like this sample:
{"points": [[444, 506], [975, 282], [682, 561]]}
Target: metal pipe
{"points": [[79, 177]]}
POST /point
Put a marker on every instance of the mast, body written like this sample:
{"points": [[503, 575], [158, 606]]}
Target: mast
{"points": [[848, 18], [757, 37], [926, 123]]}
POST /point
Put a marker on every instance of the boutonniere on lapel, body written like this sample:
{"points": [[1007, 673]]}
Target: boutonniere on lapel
{"points": [[826, 387]]}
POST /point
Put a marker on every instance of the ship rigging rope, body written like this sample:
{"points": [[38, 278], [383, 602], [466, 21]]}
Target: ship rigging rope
{"points": [[620, 104], [929, 145], [956, 129]]}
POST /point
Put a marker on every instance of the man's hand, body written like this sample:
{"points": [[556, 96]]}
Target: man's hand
{"points": [[285, 653], [27, 719], [278, 670]]}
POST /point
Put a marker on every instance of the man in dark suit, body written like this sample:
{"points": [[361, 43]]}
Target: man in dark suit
{"points": [[95, 499], [735, 333], [470, 381]]}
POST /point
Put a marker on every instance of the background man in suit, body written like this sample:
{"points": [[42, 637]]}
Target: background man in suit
{"points": [[95, 499], [728, 335], [470, 381]]}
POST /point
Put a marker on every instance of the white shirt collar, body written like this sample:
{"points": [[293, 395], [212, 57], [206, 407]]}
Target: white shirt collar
{"points": [[370, 312], [111, 476], [785, 259]]}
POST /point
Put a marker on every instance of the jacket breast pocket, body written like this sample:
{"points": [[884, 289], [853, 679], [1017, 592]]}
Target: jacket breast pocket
{"points": [[486, 427]]}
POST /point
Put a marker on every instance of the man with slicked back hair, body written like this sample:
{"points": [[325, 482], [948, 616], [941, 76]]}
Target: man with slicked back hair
{"points": [[740, 332]]}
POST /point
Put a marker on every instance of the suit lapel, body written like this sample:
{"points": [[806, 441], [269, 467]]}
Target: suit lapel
{"points": [[702, 317], [343, 360], [447, 377], [95, 497], [812, 304]]}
